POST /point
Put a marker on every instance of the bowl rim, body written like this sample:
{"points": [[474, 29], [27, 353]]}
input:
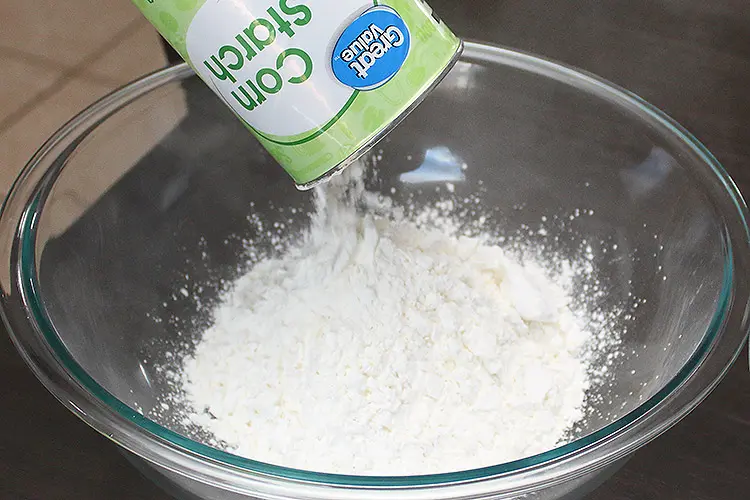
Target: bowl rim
{"points": [[36, 339]]}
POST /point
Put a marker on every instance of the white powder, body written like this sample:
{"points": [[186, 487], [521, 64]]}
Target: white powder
{"points": [[385, 344]]}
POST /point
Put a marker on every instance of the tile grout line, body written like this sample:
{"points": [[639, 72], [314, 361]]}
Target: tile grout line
{"points": [[112, 81], [68, 74], [31, 58], [51, 64], [104, 80]]}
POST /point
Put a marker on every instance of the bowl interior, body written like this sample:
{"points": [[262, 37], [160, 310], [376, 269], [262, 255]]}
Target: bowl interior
{"points": [[155, 200]]}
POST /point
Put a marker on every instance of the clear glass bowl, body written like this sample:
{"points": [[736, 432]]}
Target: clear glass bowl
{"points": [[150, 189]]}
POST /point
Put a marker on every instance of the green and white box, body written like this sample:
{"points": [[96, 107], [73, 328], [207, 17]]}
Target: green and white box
{"points": [[318, 82]]}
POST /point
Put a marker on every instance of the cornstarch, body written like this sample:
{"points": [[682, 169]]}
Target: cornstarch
{"points": [[381, 344]]}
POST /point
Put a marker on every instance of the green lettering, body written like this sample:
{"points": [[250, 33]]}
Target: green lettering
{"points": [[220, 72], [258, 95], [296, 9], [284, 25], [277, 81], [249, 51], [305, 73], [237, 65], [249, 104], [259, 43]]}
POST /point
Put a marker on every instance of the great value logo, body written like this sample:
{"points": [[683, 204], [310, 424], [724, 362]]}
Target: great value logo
{"points": [[372, 49]]}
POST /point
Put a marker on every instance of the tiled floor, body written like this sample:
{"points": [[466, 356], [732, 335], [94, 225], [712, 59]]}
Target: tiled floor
{"points": [[56, 58]]}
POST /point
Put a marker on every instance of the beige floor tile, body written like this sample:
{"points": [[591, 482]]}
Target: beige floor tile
{"points": [[111, 151], [22, 81], [138, 54], [128, 137], [22, 139], [65, 31]]}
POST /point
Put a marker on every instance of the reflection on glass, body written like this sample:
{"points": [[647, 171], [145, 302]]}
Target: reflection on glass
{"points": [[649, 174], [440, 165], [145, 374]]}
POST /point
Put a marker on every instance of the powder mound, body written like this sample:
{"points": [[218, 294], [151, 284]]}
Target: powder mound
{"points": [[378, 346]]}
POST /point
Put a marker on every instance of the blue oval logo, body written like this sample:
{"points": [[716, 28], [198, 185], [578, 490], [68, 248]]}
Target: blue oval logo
{"points": [[372, 49]]}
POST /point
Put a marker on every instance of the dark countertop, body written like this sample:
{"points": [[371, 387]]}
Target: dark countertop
{"points": [[689, 57]]}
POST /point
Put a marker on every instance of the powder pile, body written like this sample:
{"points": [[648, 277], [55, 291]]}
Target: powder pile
{"points": [[379, 346]]}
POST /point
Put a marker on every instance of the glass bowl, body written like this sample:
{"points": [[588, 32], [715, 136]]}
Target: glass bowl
{"points": [[148, 192]]}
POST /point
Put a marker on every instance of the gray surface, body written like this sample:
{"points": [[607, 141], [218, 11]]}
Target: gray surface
{"points": [[690, 59]]}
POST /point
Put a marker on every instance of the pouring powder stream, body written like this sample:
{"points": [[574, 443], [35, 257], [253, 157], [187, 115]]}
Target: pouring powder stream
{"points": [[378, 346]]}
